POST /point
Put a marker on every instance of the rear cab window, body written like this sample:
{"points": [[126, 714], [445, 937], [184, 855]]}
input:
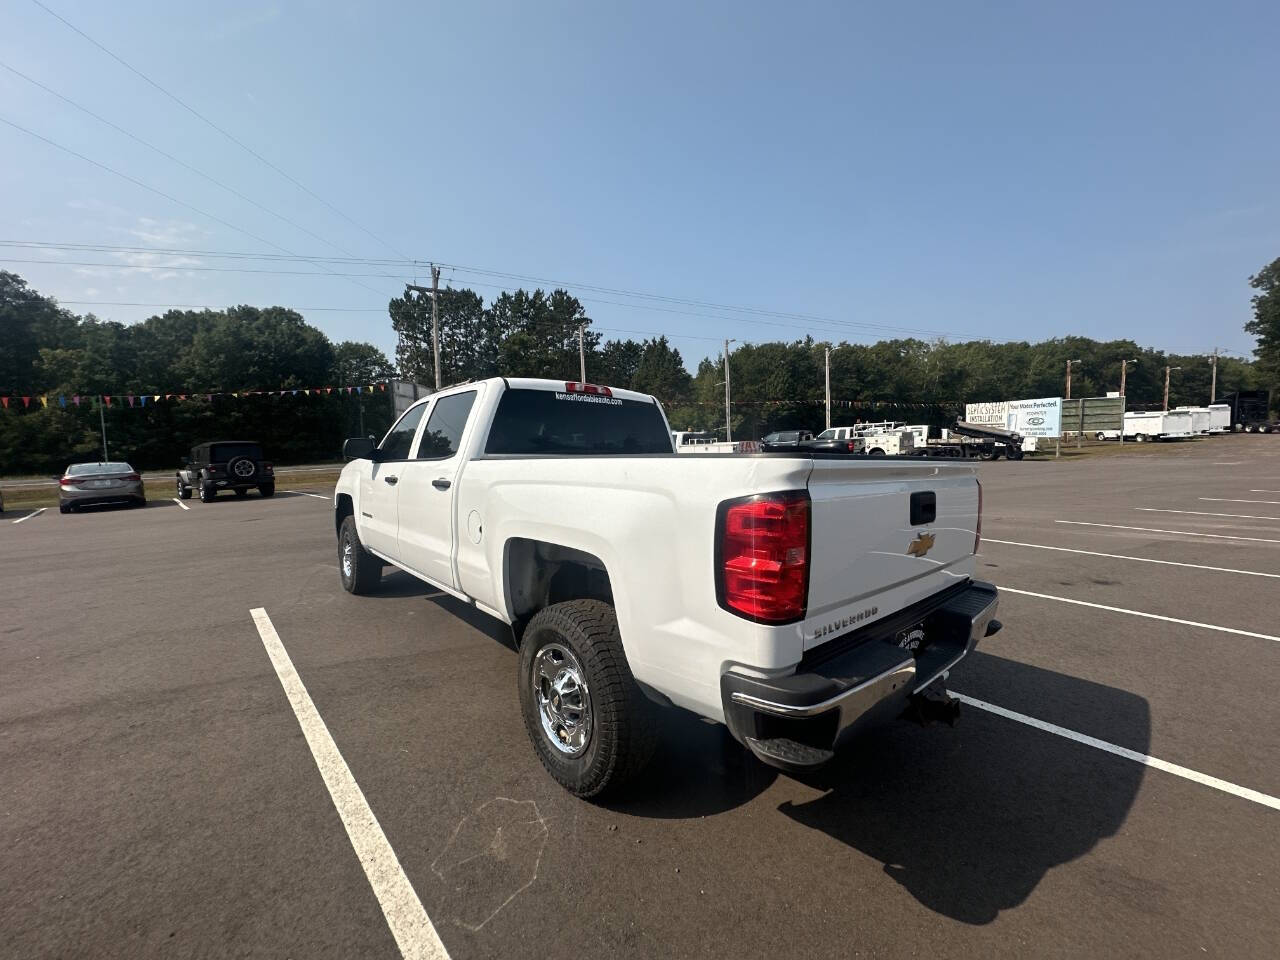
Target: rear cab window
{"points": [[223, 452], [444, 428], [532, 422]]}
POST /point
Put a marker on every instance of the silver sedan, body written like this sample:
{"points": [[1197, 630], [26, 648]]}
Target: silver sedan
{"points": [[86, 484]]}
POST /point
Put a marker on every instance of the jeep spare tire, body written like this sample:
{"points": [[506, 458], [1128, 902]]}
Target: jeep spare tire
{"points": [[241, 469]]}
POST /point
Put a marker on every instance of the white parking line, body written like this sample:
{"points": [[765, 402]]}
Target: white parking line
{"points": [[1140, 613], [414, 933], [303, 493], [180, 503], [1202, 513], [1184, 533], [33, 513], [1264, 491], [1117, 556], [1232, 500], [1178, 771]]}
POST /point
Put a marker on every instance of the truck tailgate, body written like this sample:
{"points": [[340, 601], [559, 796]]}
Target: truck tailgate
{"points": [[867, 557]]}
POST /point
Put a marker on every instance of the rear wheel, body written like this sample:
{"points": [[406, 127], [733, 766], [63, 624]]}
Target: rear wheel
{"points": [[877, 452], [1014, 453], [64, 508], [267, 489], [207, 492], [584, 712], [360, 570]]}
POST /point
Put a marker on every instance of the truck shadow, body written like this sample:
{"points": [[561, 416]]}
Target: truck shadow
{"points": [[970, 820]]}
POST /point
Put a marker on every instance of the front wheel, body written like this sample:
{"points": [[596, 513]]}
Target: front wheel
{"points": [[588, 720], [184, 491], [359, 570]]}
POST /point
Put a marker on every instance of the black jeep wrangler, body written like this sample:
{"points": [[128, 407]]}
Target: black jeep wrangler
{"points": [[225, 465]]}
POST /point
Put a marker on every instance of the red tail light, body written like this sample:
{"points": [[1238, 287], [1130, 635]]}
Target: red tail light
{"points": [[852, 446], [977, 537], [570, 387], [132, 478], [66, 482], [762, 557]]}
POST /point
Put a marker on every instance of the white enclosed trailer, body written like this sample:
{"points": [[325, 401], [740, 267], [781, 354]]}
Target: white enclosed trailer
{"points": [[1157, 425], [1219, 418], [1200, 418]]}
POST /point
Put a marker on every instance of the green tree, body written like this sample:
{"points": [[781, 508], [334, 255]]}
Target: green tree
{"points": [[1265, 324], [357, 362]]}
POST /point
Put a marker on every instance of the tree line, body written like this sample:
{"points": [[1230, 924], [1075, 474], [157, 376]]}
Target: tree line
{"points": [[47, 350], [780, 385]]}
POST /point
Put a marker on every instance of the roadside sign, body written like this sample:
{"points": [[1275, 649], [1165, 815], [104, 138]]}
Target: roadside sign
{"points": [[1031, 418]]}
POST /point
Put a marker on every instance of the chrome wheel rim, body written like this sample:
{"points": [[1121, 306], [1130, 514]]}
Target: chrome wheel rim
{"points": [[564, 702], [348, 558], [244, 468]]}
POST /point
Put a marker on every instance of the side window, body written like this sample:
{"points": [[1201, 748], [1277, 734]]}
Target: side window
{"points": [[444, 428], [400, 437]]}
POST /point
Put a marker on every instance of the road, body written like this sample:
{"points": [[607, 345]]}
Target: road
{"points": [[160, 797]]}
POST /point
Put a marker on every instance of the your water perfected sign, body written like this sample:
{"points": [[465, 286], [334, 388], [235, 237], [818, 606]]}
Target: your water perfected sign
{"points": [[1031, 418]]}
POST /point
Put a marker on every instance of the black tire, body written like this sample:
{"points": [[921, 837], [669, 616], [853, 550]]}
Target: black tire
{"points": [[992, 454], [622, 734], [64, 508], [184, 491], [364, 572], [1014, 453], [207, 492], [877, 452], [241, 492], [138, 502], [267, 489]]}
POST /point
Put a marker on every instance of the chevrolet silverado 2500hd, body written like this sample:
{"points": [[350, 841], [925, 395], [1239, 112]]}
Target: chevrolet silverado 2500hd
{"points": [[791, 596]]}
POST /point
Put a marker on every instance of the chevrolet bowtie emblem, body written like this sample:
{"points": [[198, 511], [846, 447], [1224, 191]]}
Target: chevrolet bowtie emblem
{"points": [[921, 545]]}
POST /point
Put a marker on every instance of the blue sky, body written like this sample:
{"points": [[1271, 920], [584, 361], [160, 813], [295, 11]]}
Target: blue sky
{"points": [[1015, 171]]}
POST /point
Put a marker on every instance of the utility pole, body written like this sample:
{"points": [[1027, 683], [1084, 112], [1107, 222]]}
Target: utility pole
{"points": [[582, 355], [1124, 368], [102, 421], [435, 319], [728, 425], [828, 379], [1167, 368], [1069, 363], [1213, 382], [434, 293], [1057, 444]]}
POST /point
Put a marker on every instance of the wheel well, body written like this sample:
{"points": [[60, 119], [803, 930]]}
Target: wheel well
{"points": [[537, 574], [343, 508]]}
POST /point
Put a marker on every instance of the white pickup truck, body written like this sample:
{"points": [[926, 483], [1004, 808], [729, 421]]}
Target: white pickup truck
{"points": [[792, 596]]}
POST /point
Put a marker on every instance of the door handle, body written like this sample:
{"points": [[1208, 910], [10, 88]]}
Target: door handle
{"points": [[441, 484], [392, 479]]}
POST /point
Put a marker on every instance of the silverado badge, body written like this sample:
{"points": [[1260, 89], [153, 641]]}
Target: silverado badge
{"points": [[921, 545]]}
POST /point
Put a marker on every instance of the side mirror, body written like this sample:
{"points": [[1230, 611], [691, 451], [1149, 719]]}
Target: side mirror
{"points": [[359, 448]]}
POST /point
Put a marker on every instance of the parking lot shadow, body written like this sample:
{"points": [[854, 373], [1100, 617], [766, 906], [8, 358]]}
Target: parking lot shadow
{"points": [[969, 820]]}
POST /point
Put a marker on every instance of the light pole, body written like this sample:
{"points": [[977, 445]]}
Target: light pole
{"points": [[1057, 443], [1124, 368], [1213, 383], [1167, 368], [728, 426], [827, 368]]}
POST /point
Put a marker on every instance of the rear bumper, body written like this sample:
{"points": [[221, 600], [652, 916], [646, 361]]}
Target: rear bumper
{"points": [[797, 721]]}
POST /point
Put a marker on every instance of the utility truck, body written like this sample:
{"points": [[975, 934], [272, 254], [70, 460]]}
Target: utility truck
{"points": [[792, 596]]}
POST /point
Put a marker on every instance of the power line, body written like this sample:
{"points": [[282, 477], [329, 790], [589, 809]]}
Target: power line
{"points": [[567, 325], [182, 163], [814, 325], [566, 284], [173, 199], [198, 115]]}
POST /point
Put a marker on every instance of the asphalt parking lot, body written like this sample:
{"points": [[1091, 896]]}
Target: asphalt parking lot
{"points": [[1111, 787]]}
